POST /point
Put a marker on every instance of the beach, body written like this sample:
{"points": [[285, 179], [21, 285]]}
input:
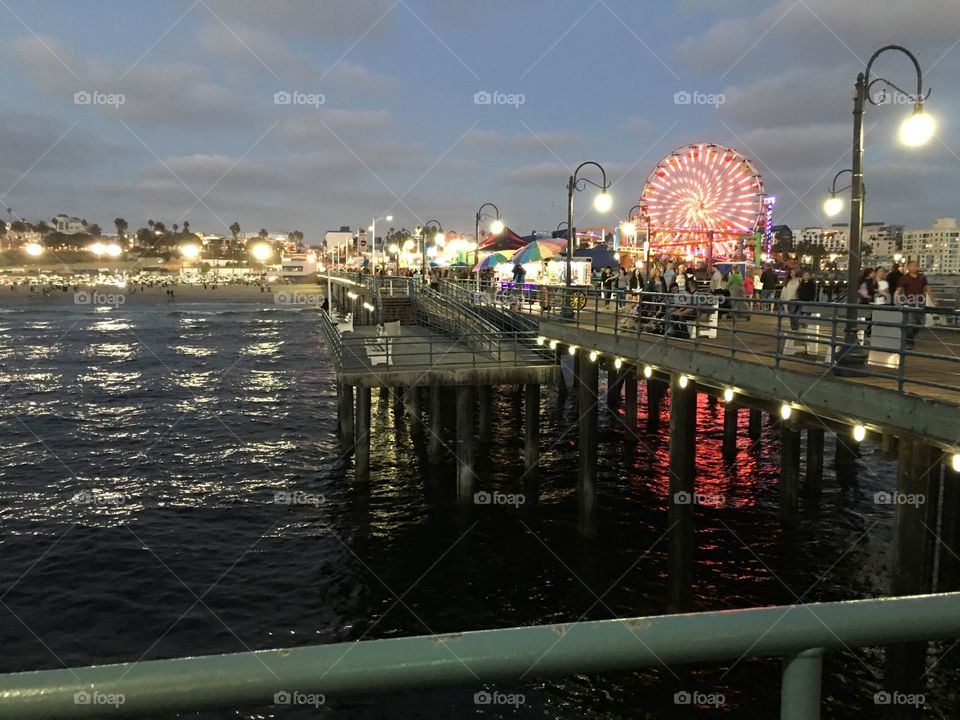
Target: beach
{"points": [[296, 296]]}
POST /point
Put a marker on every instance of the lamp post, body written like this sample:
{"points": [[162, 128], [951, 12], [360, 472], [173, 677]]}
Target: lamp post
{"points": [[915, 130], [834, 204], [496, 227], [373, 243], [601, 202], [630, 227], [423, 244]]}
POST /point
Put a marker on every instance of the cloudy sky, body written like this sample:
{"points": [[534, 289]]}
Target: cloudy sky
{"points": [[383, 118]]}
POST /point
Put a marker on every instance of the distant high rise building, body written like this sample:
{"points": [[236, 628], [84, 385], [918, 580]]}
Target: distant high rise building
{"points": [[937, 248]]}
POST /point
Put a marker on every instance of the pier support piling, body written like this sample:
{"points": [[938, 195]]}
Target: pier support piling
{"points": [[436, 423], [415, 409], [755, 425], [814, 480], [587, 389], [466, 398], [485, 412], [683, 438], [789, 475], [949, 580], [531, 411], [845, 460], [630, 398], [731, 416], [362, 445], [346, 415]]}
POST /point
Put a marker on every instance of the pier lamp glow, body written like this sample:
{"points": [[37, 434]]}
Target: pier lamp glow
{"points": [[786, 411], [593, 356], [618, 363], [541, 340], [352, 295], [496, 227], [647, 372], [602, 202], [572, 349], [917, 128], [34, 249], [261, 251], [189, 252], [832, 206], [683, 381], [553, 344], [98, 248], [728, 395], [114, 250], [368, 306], [955, 462], [859, 432]]}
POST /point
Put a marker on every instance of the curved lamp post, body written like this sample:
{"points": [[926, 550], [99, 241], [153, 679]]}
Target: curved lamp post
{"points": [[601, 203], [496, 227], [915, 130], [422, 231], [833, 204]]}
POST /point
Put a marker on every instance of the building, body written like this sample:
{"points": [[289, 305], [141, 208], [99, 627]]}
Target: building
{"points": [[882, 240], [339, 242], [68, 225], [937, 248], [298, 266]]}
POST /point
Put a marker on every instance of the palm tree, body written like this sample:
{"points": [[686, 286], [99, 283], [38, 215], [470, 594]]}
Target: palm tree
{"points": [[175, 228], [235, 231], [263, 233], [186, 226], [121, 226]]}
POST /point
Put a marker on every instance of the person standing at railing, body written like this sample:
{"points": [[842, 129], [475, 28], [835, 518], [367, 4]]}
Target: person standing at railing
{"points": [[806, 293], [669, 275], [768, 281], [913, 291], [735, 286], [606, 278], [748, 289], [716, 280], [622, 282], [789, 296]]}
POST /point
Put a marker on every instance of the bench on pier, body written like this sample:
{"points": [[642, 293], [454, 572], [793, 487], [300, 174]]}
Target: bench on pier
{"points": [[378, 349]]}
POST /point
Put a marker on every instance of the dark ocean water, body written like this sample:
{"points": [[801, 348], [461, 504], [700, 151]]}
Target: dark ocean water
{"points": [[141, 450]]}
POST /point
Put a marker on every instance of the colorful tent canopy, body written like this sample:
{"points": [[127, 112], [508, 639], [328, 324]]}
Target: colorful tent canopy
{"points": [[537, 250], [492, 260], [506, 240]]}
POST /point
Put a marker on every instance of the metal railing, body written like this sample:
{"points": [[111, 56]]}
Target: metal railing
{"points": [[796, 332], [800, 634], [465, 293]]}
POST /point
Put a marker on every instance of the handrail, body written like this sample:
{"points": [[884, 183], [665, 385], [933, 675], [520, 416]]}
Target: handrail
{"points": [[368, 667]]}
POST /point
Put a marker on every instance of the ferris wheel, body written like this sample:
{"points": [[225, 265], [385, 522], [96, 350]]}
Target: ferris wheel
{"points": [[702, 195]]}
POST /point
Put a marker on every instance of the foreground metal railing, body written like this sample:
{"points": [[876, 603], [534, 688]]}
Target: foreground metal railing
{"points": [[915, 347], [797, 633]]}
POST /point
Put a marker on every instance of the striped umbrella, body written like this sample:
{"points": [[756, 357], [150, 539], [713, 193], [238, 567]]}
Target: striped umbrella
{"points": [[492, 260], [539, 250]]}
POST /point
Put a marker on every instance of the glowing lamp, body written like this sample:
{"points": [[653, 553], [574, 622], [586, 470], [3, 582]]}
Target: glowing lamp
{"points": [[859, 432], [728, 395], [190, 252], [261, 251], [114, 250], [496, 227], [683, 381], [786, 411], [648, 372], [832, 206], [34, 249], [603, 202], [618, 363], [572, 349], [541, 340], [553, 344], [98, 248], [955, 462], [628, 228], [593, 356], [918, 128]]}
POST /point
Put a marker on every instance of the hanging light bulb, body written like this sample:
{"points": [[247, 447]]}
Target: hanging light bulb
{"points": [[683, 381], [572, 349], [786, 411], [859, 432], [728, 395], [593, 355], [618, 363], [647, 372]]}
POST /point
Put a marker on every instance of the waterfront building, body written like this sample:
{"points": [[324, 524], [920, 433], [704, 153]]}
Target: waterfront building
{"points": [[936, 248]]}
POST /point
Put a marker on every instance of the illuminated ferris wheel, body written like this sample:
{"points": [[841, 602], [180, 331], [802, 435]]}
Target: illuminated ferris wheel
{"points": [[702, 196]]}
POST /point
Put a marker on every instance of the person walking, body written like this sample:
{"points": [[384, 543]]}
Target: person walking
{"points": [[769, 281], [789, 296], [669, 275], [748, 289], [716, 280], [912, 293], [882, 295], [622, 281], [735, 286]]}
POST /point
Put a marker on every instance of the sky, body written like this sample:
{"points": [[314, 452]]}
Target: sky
{"points": [[313, 114]]}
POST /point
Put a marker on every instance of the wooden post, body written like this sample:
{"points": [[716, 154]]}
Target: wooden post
{"points": [[436, 423], [414, 406], [630, 398], [466, 399], [845, 460], [346, 415], [915, 504], [755, 426], [789, 475], [731, 416], [362, 445], [485, 402], [588, 387], [814, 481], [614, 383], [950, 531], [656, 389], [683, 438], [531, 411]]}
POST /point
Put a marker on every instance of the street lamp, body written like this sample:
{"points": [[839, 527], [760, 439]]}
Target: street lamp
{"points": [[601, 202], [496, 227], [422, 232], [373, 242], [915, 130], [833, 204], [33, 249]]}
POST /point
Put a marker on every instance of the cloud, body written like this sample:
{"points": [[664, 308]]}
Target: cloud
{"points": [[638, 125], [488, 141], [306, 124]]}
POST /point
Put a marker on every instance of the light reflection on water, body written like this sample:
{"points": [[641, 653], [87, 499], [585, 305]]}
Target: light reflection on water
{"points": [[183, 427]]}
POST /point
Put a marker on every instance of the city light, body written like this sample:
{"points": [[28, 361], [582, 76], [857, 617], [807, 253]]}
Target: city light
{"points": [[832, 206], [352, 295], [34, 249], [98, 248], [628, 228], [368, 306], [859, 432], [728, 395], [786, 411], [603, 202], [917, 129], [496, 227], [261, 251], [190, 252]]}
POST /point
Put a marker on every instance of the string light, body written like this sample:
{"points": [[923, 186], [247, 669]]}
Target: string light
{"points": [[859, 432], [573, 349], [647, 372], [541, 340], [786, 411], [618, 363], [728, 395], [553, 344], [593, 355], [682, 381]]}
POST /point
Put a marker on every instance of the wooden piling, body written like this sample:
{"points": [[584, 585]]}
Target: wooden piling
{"points": [[588, 387], [789, 476], [630, 398], [466, 399], [531, 411], [436, 424], [683, 438], [362, 444], [731, 417], [813, 485], [485, 412], [755, 425], [345, 396]]}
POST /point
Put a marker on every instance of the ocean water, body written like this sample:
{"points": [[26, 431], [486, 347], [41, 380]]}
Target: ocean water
{"points": [[142, 451]]}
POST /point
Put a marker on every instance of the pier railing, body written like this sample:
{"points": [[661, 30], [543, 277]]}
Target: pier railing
{"points": [[915, 347], [799, 634]]}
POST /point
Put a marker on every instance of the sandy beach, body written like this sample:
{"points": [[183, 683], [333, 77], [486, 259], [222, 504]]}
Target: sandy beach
{"points": [[293, 296]]}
